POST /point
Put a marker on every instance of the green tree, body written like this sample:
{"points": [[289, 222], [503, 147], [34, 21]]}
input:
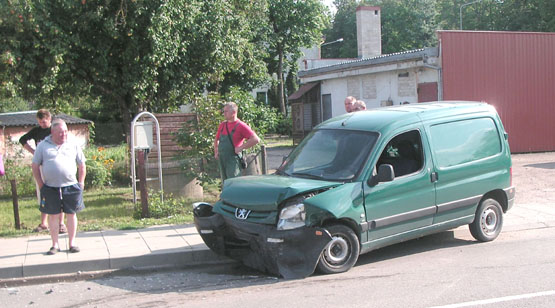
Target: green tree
{"points": [[293, 24], [508, 15], [407, 24], [132, 54], [343, 26]]}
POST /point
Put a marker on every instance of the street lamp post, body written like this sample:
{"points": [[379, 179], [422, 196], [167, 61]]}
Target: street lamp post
{"points": [[333, 42], [339, 40]]}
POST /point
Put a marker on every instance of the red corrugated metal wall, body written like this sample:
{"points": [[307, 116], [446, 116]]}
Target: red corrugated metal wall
{"points": [[513, 71]]}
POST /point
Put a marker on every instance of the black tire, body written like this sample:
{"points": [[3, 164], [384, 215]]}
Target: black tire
{"points": [[342, 251], [488, 221]]}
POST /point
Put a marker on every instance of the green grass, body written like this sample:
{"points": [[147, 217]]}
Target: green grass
{"points": [[105, 209]]}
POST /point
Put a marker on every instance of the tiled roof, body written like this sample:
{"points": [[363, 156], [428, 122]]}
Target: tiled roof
{"points": [[29, 118]]}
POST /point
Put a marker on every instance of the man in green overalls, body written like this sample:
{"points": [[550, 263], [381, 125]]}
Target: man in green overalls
{"points": [[232, 138]]}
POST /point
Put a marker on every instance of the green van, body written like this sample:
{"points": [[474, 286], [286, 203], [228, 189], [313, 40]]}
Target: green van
{"points": [[364, 180]]}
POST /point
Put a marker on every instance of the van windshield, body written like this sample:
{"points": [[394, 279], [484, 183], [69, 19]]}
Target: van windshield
{"points": [[331, 155]]}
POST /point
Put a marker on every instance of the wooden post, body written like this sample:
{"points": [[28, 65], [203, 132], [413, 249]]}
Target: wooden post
{"points": [[264, 159], [15, 204], [142, 184]]}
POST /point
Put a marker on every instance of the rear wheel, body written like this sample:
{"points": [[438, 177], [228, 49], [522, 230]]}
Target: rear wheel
{"points": [[488, 221], [342, 251]]}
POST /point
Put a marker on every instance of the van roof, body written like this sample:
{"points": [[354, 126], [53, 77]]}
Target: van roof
{"points": [[377, 119]]}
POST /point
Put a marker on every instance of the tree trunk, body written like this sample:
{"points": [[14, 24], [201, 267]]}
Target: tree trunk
{"points": [[281, 93], [126, 117]]}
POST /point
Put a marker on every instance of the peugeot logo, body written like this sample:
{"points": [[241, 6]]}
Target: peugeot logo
{"points": [[242, 213]]}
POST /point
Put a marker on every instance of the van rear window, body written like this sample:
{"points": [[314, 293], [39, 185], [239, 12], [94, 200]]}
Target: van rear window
{"points": [[464, 141]]}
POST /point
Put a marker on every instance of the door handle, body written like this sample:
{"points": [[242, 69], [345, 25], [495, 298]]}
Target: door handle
{"points": [[434, 177]]}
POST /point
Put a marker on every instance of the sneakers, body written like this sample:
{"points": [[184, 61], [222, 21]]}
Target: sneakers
{"points": [[63, 229], [53, 251], [40, 228]]}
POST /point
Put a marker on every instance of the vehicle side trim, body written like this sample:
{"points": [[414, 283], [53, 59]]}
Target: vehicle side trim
{"points": [[431, 210], [390, 220], [449, 206]]}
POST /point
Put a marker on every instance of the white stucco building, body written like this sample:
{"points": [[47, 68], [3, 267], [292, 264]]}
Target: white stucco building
{"points": [[379, 80]]}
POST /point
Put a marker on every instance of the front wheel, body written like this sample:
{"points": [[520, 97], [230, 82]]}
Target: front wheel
{"points": [[342, 251], [488, 221]]}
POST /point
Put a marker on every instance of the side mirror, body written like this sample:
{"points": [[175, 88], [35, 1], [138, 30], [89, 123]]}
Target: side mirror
{"points": [[385, 174]]}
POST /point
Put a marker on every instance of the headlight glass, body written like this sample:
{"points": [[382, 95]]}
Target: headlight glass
{"points": [[291, 217]]}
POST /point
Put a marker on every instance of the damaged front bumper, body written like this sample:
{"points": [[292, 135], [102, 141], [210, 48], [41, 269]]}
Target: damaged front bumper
{"points": [[290, 253]]}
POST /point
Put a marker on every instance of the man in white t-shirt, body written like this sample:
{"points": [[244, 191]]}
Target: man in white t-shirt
{"points": [[60, 190]]}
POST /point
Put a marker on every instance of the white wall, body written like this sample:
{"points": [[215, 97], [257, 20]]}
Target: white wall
{"points": [[375, 89]]}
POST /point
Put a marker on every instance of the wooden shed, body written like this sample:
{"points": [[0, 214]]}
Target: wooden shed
{"points": [[16, 124]]}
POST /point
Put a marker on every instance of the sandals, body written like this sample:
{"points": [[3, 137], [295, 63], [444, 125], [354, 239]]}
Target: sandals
{"points": [[53, 250], [74, 249], [40, 228]]}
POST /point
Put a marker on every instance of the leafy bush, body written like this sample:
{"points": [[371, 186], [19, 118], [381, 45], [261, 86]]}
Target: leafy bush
{"points": [[22, 174], [284, 126], [97, 174], [19, 170], [105, 165], [120, 168], [158, 209]]}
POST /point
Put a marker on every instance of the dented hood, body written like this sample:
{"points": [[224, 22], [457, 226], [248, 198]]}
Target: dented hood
{"points": [[266, 192]]}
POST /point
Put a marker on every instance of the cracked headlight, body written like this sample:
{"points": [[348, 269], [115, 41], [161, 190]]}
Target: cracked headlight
{"points": [[291, 217]]}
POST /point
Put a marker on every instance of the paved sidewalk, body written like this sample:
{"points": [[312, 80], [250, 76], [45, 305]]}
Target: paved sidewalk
{"points": [[158, 246]]}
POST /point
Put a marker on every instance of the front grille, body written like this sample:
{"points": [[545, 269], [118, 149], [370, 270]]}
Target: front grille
{"points": [[254, 215]]}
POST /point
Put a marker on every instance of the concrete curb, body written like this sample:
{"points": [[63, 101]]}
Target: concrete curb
{"points": [[155, 247]]}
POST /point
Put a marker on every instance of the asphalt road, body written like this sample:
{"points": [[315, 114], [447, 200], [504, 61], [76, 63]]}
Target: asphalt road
{"points": [[448, 269]]}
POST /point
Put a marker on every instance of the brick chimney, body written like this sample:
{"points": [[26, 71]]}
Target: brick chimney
{"points": [[369, 31]]}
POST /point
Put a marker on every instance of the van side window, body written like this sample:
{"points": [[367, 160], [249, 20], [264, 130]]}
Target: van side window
{"points": [[404, 153], [464, 141]]}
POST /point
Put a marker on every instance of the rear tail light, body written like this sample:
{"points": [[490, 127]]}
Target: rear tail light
{"points": [[511, 177]]}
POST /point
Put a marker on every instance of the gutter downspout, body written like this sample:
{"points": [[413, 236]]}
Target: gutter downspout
{"points": [[439, 80], [439, 73]]}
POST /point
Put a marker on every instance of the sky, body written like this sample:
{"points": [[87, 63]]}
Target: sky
{"points": [[329, 3]]}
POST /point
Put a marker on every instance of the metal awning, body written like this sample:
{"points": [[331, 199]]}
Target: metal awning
{"points": [[302, 90]]}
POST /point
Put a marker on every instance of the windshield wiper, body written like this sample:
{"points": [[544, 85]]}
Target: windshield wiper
{"points": [[307, 175], [281, 172]]}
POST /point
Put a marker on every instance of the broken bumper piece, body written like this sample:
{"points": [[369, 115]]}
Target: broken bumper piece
{"points": [[291, 254]]}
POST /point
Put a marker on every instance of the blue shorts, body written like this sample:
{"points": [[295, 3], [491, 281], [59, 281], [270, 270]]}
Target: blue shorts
{"points": [[54, 200]]}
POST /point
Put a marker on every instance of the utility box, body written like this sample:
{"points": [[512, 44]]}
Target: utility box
{"points": [[143, 135]]}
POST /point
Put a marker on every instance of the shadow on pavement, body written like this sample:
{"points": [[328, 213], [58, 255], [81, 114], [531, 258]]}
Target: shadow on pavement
{"points": [[431, 242], [542, 165]]}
